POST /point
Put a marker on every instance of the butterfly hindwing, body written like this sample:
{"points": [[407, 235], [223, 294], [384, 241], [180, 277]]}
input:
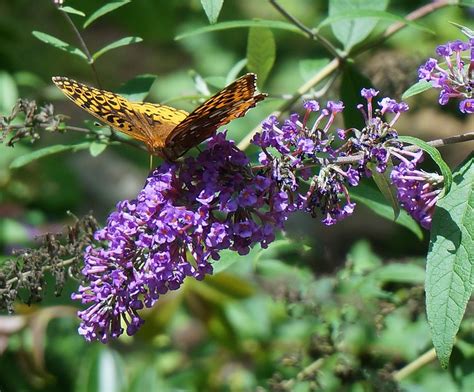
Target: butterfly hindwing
{"points": [[230, 103]]}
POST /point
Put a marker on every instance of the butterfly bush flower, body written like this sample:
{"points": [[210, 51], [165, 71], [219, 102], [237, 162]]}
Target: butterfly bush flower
{"points": [[417, 190], [184, 216], [308, 158], [454, 74]]}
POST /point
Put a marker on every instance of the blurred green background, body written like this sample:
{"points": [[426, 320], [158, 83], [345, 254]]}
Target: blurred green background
{"points": [[343, 312]]}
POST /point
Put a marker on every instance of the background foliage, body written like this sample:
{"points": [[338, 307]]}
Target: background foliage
{"points": [[339, 308]]}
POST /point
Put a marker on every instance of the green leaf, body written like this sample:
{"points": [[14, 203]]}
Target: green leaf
{"points": [[261, 52], [417, 88], [384, 183], [400, 273], [351, 32], [102, 370], [8, 93], [310, 67], [272, 24], [96, 148], [235, 71], [364, 15], [436, 156], [371, 198], [57, 43], [138, 88], [212, 8], [71, 10], [109, 7], [117, 44], [450, 261], [43, 152], [351, 84]]}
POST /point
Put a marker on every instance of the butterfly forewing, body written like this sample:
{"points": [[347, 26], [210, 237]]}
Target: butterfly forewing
{"points": [[147, 122], [166, 131], [230, 103]]}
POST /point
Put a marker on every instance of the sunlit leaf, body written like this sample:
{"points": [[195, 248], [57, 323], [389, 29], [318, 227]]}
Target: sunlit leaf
{"points": [[261, 52], [57, 43], [272, 24], [435, 155], [43, 152], [351, 32], [73, 11], [105, 9], [450, 261], [212, 8], [310, 67], [117, 44], [417, 88], [96, 148]]}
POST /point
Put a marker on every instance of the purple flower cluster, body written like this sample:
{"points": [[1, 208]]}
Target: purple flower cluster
{"points": [[455, 75], [417, 190], [183, 217], [309, 159]]}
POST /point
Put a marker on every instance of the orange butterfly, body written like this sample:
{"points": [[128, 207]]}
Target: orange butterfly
{"points": [[166, 131]]}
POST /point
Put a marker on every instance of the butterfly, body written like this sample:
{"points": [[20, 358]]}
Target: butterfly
{"points": [[166, 131]]}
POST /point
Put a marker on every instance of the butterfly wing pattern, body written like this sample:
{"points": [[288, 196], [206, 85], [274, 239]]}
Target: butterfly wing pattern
{"points": [[166, 131]]}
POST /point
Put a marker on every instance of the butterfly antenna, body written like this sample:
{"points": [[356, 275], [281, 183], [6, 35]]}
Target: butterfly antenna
{"points": [[151, 161]]}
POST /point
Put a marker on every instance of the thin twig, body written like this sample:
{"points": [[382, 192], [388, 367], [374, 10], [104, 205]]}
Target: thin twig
{"points": [[413, 366], [306, 372], [90, 59], [309, 32]]}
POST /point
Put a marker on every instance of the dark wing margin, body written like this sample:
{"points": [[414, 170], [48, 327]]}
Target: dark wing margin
{"points": [[228, 104]]}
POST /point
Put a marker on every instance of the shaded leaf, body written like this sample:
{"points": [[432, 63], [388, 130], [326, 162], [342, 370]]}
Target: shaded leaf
{"points": [[117, 44], [417, 88], [212, 8], [43, 152], [371, 198], [138, 88], [261, 52], [351, 32], [351, 84], [57, 43], [109, 7], [450, 261], [272, 24], [436, 156]]}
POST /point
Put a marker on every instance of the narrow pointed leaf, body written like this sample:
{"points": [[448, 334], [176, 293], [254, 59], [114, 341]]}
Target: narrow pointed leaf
{"points": [[272, 24], [261, 52], [436, 156], [43, 152], [109, 7], [73, 11], [450, 261], [117, 44], [57, 43], [235, 70], [212, 8], [417, 88], [383, 182]]}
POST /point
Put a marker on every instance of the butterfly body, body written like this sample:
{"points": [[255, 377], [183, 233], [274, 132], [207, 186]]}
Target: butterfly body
{"points": [[166, 131]]}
